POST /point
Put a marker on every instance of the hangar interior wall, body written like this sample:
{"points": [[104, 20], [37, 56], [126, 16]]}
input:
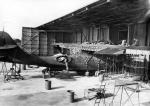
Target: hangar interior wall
{"points": [[137, 31], [95, 33], [129, 32]]}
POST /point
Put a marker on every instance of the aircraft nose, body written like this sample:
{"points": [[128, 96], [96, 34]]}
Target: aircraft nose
{"points": [[61, 58]]}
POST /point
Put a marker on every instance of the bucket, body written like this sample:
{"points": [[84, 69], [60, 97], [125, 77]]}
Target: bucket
{"points": [[47, 84], [44, 76], [87, 73], [71, 96]]}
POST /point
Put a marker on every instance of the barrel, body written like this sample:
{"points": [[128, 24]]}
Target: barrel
{"points": [[47, 84]]}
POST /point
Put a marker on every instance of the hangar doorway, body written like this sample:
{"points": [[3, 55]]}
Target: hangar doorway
{"points": [[122, 35]]}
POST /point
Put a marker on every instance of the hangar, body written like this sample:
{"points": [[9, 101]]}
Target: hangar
{"points": [[106, 22]]}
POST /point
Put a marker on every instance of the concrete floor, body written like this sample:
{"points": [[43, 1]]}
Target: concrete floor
{"points": [[32, 92]]}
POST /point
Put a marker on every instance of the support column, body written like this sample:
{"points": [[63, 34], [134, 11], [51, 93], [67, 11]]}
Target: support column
{"points": [[98, 65], [128, 39], [87, 62]]}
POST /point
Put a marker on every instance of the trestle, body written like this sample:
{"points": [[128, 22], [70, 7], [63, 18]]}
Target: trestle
{"points": [[12, 73]]}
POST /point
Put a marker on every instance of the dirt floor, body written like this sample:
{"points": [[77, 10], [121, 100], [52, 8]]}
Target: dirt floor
{"points": [[32, 92]]}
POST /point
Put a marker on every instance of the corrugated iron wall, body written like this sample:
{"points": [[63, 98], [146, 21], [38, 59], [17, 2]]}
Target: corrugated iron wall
{"points": [[50, 40]]}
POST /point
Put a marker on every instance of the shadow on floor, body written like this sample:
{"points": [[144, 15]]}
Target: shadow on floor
{"points": [[37, 76], [107, 95], [9, 88], [57, 87], [146, 103], [66, 76], [24, 97], [32, 76], [79, 99], [36, 99]]}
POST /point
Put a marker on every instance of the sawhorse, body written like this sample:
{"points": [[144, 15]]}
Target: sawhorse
{"points": [[124, 86]]}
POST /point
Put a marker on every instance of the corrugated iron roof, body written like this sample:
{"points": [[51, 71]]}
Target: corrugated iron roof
{"points": [[102, 11]]}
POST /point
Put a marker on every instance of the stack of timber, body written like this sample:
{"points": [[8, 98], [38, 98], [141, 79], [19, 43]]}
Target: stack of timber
{"points": [[137, 61], [26, 39], [30, 40], [35, 42], [136, 64], [139, 50], [43, 44]]}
